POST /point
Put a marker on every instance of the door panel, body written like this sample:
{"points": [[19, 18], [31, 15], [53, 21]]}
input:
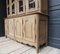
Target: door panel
{"points": [[21, 6], [29, 29], [18, 28], [11, 28], [32, 5]]}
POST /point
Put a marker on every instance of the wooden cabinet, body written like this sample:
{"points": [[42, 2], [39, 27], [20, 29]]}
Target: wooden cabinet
{"points": [[27, 21], [29, 28], [11, 7]]}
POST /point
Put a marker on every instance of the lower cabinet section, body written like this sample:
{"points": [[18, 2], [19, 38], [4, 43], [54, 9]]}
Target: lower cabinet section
{"points": [[31, 29]]}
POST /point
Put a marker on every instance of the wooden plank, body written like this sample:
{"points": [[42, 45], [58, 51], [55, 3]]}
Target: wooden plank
{"points": [[22, 50], [9, 47]]}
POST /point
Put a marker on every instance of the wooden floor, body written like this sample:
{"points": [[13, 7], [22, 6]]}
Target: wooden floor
{"points": [[8, 46]]}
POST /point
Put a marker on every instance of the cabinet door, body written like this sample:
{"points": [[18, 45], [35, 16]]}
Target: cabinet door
{"points": [[21, 6], [6, 27], [18, 28], [11, 28], [8, 8], [32, 5], [29, 29], [13, 7]]}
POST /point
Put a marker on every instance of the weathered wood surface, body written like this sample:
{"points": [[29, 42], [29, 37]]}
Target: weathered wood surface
{"points": [[31, 29]]}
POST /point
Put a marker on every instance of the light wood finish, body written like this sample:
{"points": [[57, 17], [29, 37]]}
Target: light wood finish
{"points": [[11, 28], [29, 34], [31, 29], [30, 25], [14, 3], [10, 7], [6, 27], [18, 28], [41, 6]]}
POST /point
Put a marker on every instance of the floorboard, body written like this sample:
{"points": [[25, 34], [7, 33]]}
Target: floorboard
{"points": [[8, 46]]}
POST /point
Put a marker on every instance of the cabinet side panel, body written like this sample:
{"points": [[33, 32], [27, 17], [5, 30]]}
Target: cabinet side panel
{"points": [[43, 29]]}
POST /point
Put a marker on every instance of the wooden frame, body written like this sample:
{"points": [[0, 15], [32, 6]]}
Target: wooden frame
{"points": [[14, 3], [11, 29], [24, 7], [7, 8], [32, 9], [10, 6], [40, 7], [29, 34]]}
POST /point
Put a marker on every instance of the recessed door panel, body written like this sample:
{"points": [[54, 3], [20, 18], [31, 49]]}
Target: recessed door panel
{"points": [[29, 29], [11, 28], [18, 28]]}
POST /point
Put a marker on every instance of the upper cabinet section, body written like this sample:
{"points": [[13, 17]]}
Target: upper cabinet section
{"points": [[16, 7]]}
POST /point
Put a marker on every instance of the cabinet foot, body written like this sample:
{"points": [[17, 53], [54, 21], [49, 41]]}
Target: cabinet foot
{"points": [[6, 36], [46, 44]]}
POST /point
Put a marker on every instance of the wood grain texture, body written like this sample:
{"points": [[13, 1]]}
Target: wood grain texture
{"points": [[31, 29], [41, 6]]}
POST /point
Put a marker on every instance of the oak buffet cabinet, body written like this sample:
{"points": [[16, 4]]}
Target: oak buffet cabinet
{"points": [[27, 21]]}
